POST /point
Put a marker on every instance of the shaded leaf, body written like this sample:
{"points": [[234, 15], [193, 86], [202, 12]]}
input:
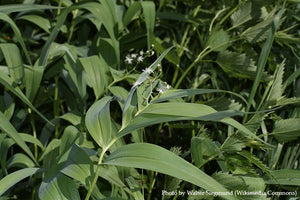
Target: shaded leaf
{"points": [[287, 129]]}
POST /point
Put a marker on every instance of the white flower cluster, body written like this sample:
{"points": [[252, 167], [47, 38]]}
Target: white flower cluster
{"points": [[139, 57], [134, 57], [162, 87]]}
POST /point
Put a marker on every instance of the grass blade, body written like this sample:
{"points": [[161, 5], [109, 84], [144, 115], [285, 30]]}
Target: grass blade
{"points": [[262, 60]]}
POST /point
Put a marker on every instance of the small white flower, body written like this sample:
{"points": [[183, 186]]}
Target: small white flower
{"points": [[128, 60], [148, 70], [140, 59], [141, 52], [134, 55], [158, 65], [152, 45], [160, 90], [168, 87], [152, 53]]}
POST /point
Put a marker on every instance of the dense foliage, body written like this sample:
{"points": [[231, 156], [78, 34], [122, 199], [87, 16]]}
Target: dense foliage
{"points": [[170, 99]]}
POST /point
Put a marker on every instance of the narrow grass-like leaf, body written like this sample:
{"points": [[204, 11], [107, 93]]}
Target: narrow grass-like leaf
{"points": [[8, 128], [156, 158], [178, 93], [13, 178], [14, 61], [41, 22], [24, 7], [9, 84], [98, 121], [17, 32], [283, 177], [262, 60], [149, 13]]}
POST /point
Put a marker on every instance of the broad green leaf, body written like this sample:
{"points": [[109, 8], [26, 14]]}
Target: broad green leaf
{"points": [[9, 84], [158, 113], [202, 149], [286, 130], [5, 144], [58, 187], [72, 117], [13, 178], [276, 90], [96, 71], [283, 177], [218, 40], [14, 61], [17, 32], [41, 22], [260, 31], [7, 105], [98, 121], [153, 157], [33, 78], [253, 185], [253, 159], [242, 15], [230, 181], [20, 160], [142, 78], [80, 167], [75, 71], [24, 7], [69, 136], [8, 128], [239, 65]]}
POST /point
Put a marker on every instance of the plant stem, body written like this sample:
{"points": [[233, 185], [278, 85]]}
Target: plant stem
{"points": [[98, 168], [33, 132], [56, 104]]}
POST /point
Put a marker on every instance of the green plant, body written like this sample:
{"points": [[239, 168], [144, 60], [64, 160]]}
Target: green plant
{"points": [[91, 106]]}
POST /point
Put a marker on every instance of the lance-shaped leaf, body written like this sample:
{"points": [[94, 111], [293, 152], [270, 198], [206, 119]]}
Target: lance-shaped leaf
{"points": [[98, 121], [13, 178], [17, 32], [13, 60], [287, 129], [8, 128], [156, 158], [161, 112]]}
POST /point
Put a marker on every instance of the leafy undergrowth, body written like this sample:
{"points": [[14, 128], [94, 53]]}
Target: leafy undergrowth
{"points": [[149, 99]]}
